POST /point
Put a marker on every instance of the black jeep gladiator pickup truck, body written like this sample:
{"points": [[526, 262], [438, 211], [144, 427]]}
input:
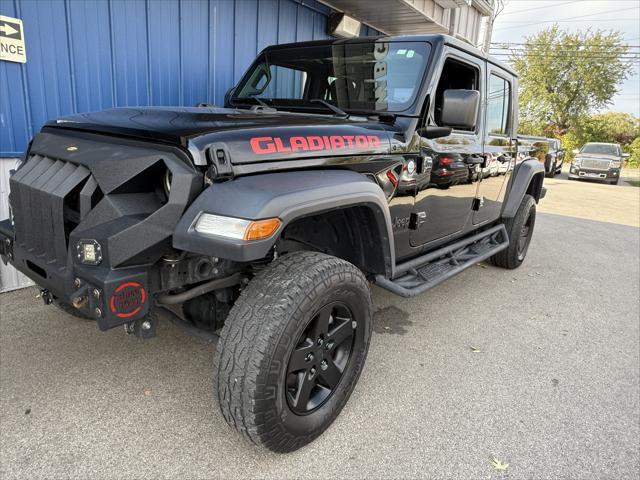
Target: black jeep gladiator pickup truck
{"points": [[266, 221]]}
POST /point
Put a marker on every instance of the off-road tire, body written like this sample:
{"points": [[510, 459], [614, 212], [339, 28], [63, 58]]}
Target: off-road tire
{"points": [[614, 182], [513, 256], [71, 310], [252, 358]]}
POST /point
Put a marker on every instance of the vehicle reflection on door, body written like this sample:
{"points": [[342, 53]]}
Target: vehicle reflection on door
{"points": [[447, 198]]}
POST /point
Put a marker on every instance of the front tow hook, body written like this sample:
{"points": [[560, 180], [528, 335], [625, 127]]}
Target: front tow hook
{"points": [[46, 296]]}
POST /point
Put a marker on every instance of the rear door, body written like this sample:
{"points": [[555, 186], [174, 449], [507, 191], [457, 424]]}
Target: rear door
{"points": [[499, 144]]}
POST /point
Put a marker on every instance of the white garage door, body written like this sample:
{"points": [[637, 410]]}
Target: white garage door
{"points": [[10, 278]]}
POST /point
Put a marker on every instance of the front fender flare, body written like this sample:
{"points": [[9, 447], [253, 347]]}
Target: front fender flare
{"points": [[530, 169], [288, 196]]}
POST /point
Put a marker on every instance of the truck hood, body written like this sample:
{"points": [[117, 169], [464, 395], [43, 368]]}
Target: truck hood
{"points": [[246, 136]]}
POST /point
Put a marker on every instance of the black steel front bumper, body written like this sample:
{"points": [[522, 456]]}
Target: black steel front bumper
{"points": [[112, 297]]}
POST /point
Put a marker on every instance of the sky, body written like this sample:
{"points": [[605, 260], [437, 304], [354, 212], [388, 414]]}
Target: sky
{"points": [[523, 18]]}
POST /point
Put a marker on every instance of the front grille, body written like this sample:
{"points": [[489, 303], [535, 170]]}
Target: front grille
{"points": [[49, 197], [595, 164]]}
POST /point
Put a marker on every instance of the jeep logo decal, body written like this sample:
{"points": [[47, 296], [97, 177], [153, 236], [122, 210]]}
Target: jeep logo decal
{"points": [[266, 145], [127, 300]]}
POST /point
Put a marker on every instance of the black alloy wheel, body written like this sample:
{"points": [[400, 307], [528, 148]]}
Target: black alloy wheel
{"points": [[525, 236], [292, 349], [520, 230], [319, 358]]}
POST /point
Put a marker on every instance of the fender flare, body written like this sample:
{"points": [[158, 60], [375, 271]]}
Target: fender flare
{"points": [[521, 180], [288, 196]]}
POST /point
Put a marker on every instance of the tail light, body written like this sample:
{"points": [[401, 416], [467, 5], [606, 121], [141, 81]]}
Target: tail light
{"points": [[391, 175]]}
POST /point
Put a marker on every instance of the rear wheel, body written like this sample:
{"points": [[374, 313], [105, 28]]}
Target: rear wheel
{"points": [[520, 230], [292, 349]]}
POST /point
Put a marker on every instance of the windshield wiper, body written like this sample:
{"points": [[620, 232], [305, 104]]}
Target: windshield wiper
{"points": [[338, 111]]}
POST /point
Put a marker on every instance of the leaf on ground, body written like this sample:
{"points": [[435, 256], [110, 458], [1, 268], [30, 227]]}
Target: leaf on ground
{"points": [[474, 349], [498, 465], [481, 265]]}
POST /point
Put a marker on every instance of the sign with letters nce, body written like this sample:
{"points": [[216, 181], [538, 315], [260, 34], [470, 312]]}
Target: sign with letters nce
{"points": [[12, 47]]}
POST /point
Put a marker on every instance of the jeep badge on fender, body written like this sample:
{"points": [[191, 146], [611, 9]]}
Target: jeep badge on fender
{"points": [[333, 164]]}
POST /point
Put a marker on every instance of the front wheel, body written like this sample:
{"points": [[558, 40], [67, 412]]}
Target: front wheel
{"points": [[292, 349], [520, 229]]}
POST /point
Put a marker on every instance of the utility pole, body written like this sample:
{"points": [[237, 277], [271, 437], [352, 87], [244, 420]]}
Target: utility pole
{"points": [[488, 31], [496, 7]]}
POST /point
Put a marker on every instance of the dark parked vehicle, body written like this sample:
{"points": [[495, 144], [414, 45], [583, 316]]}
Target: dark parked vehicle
{"points": [[448, 170], [547, 150], [554, 158], [267, 220], [598, 161]]}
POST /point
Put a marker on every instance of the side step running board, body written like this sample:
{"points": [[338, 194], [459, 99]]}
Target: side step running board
{"points": [[422, 273]]}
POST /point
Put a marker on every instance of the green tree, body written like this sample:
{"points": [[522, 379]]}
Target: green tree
{"points": [[610, 127], [564, 76], [634, 150]]}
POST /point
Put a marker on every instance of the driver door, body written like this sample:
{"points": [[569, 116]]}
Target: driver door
{"points": [[443, 204]]}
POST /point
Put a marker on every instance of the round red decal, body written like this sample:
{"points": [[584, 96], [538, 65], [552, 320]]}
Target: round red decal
{"points": [[128, 299]]}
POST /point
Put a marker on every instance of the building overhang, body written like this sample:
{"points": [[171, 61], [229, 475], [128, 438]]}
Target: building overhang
{"points": [[393, 17], [405, 17]]}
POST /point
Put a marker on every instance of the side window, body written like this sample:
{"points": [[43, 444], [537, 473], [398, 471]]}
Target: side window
{"points": [[276, 81], [498, 104], [455, 75]]}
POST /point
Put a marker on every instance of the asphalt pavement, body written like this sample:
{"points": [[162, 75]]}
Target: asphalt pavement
{"points": [[529, 373]]}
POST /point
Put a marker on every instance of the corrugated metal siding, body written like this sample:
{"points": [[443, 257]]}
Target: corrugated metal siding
{"points": [[10, 278], [87, 55]]}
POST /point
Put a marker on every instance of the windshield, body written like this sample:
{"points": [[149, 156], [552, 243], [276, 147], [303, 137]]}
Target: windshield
{"points": [[373, 76], [600, 149]]}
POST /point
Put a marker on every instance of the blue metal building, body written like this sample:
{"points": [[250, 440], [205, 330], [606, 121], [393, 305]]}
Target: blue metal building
{"points": [[88, 55]]}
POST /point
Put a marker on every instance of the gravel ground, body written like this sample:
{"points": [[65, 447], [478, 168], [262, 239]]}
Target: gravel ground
{"points": [[537, 368]]}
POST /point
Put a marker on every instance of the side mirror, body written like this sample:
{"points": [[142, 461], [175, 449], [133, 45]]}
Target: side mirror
{"points": [[460, 108], [431, 132], [228, 95], [575, 151], [625, 155]]}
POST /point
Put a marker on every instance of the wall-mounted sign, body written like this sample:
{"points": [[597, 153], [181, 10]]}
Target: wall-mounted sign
{"points": [[12, 47]]}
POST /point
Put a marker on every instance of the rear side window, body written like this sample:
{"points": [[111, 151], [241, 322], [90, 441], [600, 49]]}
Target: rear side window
{"points": [[498, 105]]}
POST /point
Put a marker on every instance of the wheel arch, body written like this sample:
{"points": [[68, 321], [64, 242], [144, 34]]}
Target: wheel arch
{"points": [[297, 198], [355, 233], [527, 178]]}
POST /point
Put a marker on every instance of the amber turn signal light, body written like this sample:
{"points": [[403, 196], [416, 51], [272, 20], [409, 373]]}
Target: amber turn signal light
{"points": [[261, 229]]}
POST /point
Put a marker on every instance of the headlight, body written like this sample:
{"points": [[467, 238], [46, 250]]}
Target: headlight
{"points": [[576, 161], [615, 164], [236, 228]]}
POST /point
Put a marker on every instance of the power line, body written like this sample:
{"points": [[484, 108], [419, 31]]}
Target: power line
{"points": [[600, 48], [528, 43], [572, 21], [506, 45], [538, 8], [572, 18]]}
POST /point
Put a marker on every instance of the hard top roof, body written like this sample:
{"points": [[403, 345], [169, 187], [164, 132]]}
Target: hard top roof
{"points": [[433, 39]]}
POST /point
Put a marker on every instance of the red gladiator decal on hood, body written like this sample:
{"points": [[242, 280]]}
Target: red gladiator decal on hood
{"points": [[266, 145]]}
